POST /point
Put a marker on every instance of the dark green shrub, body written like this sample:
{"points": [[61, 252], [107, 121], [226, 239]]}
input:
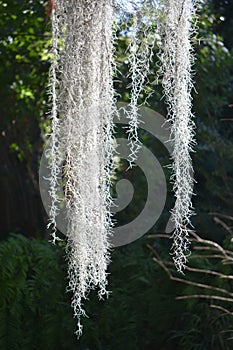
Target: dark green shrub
{"points": [[140, 314], [35, 311]]}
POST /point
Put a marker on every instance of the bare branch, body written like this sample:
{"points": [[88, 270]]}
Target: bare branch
{"points": [[157, 259], [222, 309], [209, 272], [223, 224], [221, 215], [204, 296]]}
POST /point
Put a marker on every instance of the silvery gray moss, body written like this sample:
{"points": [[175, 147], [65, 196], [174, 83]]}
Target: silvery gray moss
{"points": [[82, 128]]}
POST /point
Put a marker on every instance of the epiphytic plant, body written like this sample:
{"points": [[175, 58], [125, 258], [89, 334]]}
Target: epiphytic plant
{"points": [[82, 128]]}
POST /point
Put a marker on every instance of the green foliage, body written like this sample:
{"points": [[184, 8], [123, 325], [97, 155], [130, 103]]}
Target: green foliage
{"points": [[24, 64], [141, 312], [213, 111], [203, 330], [35, 312], [205, 296], [24, 47], [136, 314]]}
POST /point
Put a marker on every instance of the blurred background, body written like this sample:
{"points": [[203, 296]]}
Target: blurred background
{"points": [[150, 307]]}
